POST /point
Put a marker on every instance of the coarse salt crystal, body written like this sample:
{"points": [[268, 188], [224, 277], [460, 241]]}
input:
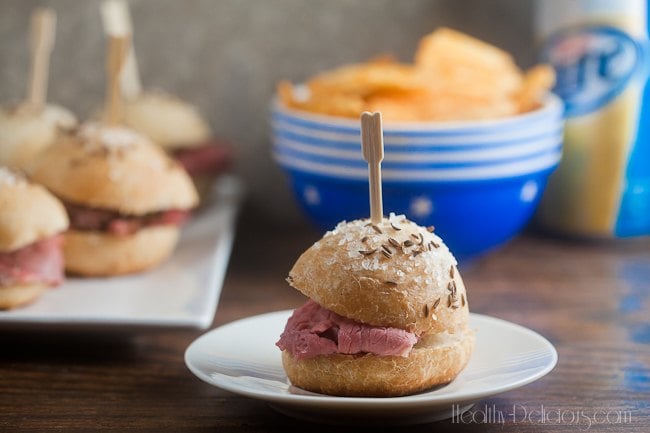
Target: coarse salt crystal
{"points": [[111, 138]]}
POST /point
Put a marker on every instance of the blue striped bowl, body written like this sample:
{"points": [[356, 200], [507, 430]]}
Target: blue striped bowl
{"points": [[478, 183]]}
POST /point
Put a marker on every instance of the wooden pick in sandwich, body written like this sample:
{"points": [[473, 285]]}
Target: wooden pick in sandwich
{"points": [[117, 50], [372, 141], [43, 29], [116, 20]]}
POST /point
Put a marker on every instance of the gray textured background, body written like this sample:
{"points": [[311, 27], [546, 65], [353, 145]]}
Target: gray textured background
{"points": [[227, 55]]}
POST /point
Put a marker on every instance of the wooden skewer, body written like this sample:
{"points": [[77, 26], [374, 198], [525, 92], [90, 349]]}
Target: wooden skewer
{"points": [[372, 140], [117, 49], [43, 28], [116, 20]]}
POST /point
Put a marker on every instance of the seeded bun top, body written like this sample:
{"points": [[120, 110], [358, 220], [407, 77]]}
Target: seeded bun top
{"points": [[166, 120], [114, 168], [24, 133], [28, 212], [394, 274]]}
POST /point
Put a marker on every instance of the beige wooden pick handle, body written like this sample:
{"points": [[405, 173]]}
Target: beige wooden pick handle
{"points": [[43, 28], [372, 142], [116, 19], [117, 49]]}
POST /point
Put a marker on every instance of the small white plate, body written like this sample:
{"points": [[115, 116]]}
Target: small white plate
{"points": [[241, 357], [182, 293]]}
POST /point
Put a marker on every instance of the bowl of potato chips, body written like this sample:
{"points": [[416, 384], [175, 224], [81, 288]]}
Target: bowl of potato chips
{"points": [[470, 139]]}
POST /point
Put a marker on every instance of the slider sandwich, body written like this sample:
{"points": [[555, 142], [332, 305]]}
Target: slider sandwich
{"points": [[387, 314], [28, 128], [26, 131], [180, 130], [31, 126], [125, 198], [175, 125], [31, 222]]}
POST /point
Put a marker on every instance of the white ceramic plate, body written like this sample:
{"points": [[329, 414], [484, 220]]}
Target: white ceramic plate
{"points": [[182, 293], [241, 357]]}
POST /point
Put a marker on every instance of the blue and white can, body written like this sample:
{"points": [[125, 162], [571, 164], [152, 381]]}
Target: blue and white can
{"points": [[601, 54]]}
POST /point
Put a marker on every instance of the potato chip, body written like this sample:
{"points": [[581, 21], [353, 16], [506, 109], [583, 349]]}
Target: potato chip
{"points": [[334, 104], [454, 108], [285, 93], [447, 44], [344, 105], [439, 107], [458, 60], [455, 77], [537, 82], [399, 107], [367, 78]]}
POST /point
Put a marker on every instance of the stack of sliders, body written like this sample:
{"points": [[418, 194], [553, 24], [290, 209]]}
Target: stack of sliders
{"points": [[27, 128], [124, 196], [388, 312], [168, 121], [31, 222]]}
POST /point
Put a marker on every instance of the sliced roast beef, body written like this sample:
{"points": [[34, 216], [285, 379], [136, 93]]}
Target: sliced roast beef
{"points": [[210, 158], [93, 219], [358, 338], [40, 262], [313, 330], [129, 225]]}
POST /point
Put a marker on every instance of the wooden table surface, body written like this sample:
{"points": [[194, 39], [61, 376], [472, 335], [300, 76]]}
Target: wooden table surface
{"points": [[592, 301]]}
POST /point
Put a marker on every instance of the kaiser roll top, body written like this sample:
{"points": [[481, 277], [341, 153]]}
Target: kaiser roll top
{"points": [[114, 168], [394, 274], [167, 121]]}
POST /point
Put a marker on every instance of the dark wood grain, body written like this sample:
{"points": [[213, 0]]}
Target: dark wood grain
{"points": [[592, 300]]}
